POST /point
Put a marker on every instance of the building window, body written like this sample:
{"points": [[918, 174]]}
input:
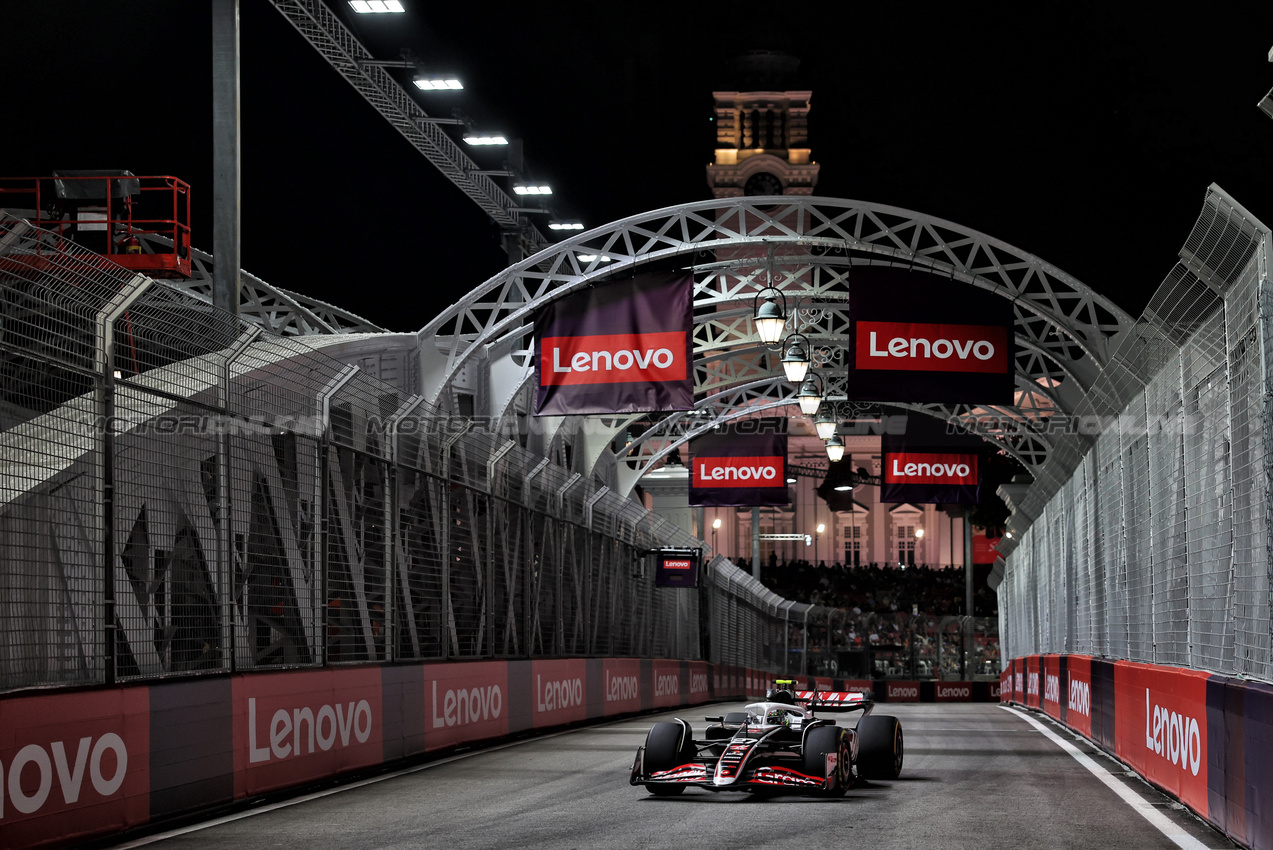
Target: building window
{"points": [[904, 541], [853, 544]]}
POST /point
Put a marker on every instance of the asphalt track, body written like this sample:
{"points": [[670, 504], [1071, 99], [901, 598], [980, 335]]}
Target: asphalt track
{"points": [[976, 776]]}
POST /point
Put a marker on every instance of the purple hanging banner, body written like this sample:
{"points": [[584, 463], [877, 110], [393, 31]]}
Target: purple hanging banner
{"points": [[928, 465], [741, 464], [625, 346], [923, 339]]}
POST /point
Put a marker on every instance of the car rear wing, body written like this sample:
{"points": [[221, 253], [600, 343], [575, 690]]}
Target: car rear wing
{"points": [[839, 701]]}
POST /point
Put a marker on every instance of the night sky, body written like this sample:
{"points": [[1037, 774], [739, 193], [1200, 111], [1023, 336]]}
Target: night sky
{"points": [[1086, 134]]}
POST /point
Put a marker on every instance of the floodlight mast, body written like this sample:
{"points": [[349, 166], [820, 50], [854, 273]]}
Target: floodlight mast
{"points": [[333, 40]]}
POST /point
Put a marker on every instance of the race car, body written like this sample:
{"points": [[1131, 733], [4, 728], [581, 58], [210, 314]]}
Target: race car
{"points": [[778, 745]]}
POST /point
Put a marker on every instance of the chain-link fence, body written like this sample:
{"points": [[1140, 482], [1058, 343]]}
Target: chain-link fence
{"points": [[1156, 547]]}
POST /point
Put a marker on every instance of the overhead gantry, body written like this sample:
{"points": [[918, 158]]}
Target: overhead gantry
{"points": [[477, 354]]}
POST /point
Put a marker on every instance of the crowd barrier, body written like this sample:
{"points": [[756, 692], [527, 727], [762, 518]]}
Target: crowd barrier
{"points": [[75, 765], [1201, 737]]}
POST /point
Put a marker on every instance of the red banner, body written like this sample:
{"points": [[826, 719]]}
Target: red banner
{"points": [[699, 681], [924, 347], [1051, 669], [614, 358], [73, 765], [1033, 683], [1078, 694], [901, 691], [465, 702], [667, 683], [1161, 718], [931, 468], [983, 549], [953, 692], [301, 726], [560, 696], [739, 471]]}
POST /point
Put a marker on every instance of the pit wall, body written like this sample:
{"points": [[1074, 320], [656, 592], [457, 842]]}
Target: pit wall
{"points": [[74, 765], [1203, 738]]}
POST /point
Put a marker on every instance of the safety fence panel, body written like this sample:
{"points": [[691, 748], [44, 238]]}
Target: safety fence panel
{"points": [[185, 493], [1157, 545]]}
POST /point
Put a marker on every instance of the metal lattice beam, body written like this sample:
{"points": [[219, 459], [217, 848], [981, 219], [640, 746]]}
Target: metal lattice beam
{"points": [[335, 43], [808, 247]]}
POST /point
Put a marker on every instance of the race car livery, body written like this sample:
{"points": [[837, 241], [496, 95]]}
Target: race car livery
{"points": [[778, 745]]}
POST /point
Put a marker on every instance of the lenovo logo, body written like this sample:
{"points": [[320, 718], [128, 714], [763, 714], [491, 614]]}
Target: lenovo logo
{"points": [[464, 706], [613, 359], [565, 693], [620, 688], [738, 472], [930, 468], [301, 730], [1080, 700], [903, 691], [919, 347], [953, 691], [1173, 736], [87, 759], [1032, 684], [698, 683], [666, 686], [677, 563], [1052, 688]]}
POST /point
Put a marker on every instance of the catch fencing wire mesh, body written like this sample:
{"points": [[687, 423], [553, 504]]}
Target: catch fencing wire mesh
{"points": [[1155, 548], [272, 507]]}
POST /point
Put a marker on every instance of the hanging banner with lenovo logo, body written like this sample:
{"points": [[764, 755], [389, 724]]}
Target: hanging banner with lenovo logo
{"points": [[925, 465], [620, 347], [741, 464], [921, 339]]}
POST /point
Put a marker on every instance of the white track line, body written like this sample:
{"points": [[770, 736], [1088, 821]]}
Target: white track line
{"points": [[1161, 822]]}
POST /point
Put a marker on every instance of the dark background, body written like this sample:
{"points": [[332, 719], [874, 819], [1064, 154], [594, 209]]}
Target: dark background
{"points": [[1086, 134]]}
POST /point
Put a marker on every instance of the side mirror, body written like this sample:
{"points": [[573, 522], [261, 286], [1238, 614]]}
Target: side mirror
{"points": [[718, 719]]}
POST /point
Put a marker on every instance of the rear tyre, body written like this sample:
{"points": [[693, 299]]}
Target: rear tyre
{"points": [[880, 750], [667, 746], [821, 742]]}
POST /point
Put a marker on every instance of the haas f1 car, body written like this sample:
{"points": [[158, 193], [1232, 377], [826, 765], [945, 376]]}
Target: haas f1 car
{"points": [[778, 745]]}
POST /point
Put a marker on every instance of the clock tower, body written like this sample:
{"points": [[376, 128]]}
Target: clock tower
{"points": [[762, 135]]}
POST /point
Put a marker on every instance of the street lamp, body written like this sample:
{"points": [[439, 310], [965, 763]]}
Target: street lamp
{"points": [[795, 362], [810, 395], [715, 528], [822, 526], [771, 316], [835, 448], [826, 423]]}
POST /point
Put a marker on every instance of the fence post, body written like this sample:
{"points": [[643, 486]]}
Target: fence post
{"points": [[104, 366], [451, 636], [324, 399], [394, 532], [225, 540]]}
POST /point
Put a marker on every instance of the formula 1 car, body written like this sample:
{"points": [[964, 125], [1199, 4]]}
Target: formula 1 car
{"points": [[778, 745]]}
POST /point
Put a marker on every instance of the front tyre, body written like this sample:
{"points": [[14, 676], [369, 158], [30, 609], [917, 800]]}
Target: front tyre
{"points": [[880, 749], [667, 746], [823, 741]]}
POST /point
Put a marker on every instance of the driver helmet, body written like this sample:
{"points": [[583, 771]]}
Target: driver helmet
{"points": [[777, 717]]}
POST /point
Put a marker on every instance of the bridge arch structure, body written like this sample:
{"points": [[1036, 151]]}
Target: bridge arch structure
{"points": [[807, 248]]}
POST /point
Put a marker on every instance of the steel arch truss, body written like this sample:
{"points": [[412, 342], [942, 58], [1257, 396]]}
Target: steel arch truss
{"points": [[807, 248]]}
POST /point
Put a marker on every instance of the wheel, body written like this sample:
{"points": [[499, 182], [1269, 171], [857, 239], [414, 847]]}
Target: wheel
{"points": [[880, 748], [668, 745], [821, 742]]}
